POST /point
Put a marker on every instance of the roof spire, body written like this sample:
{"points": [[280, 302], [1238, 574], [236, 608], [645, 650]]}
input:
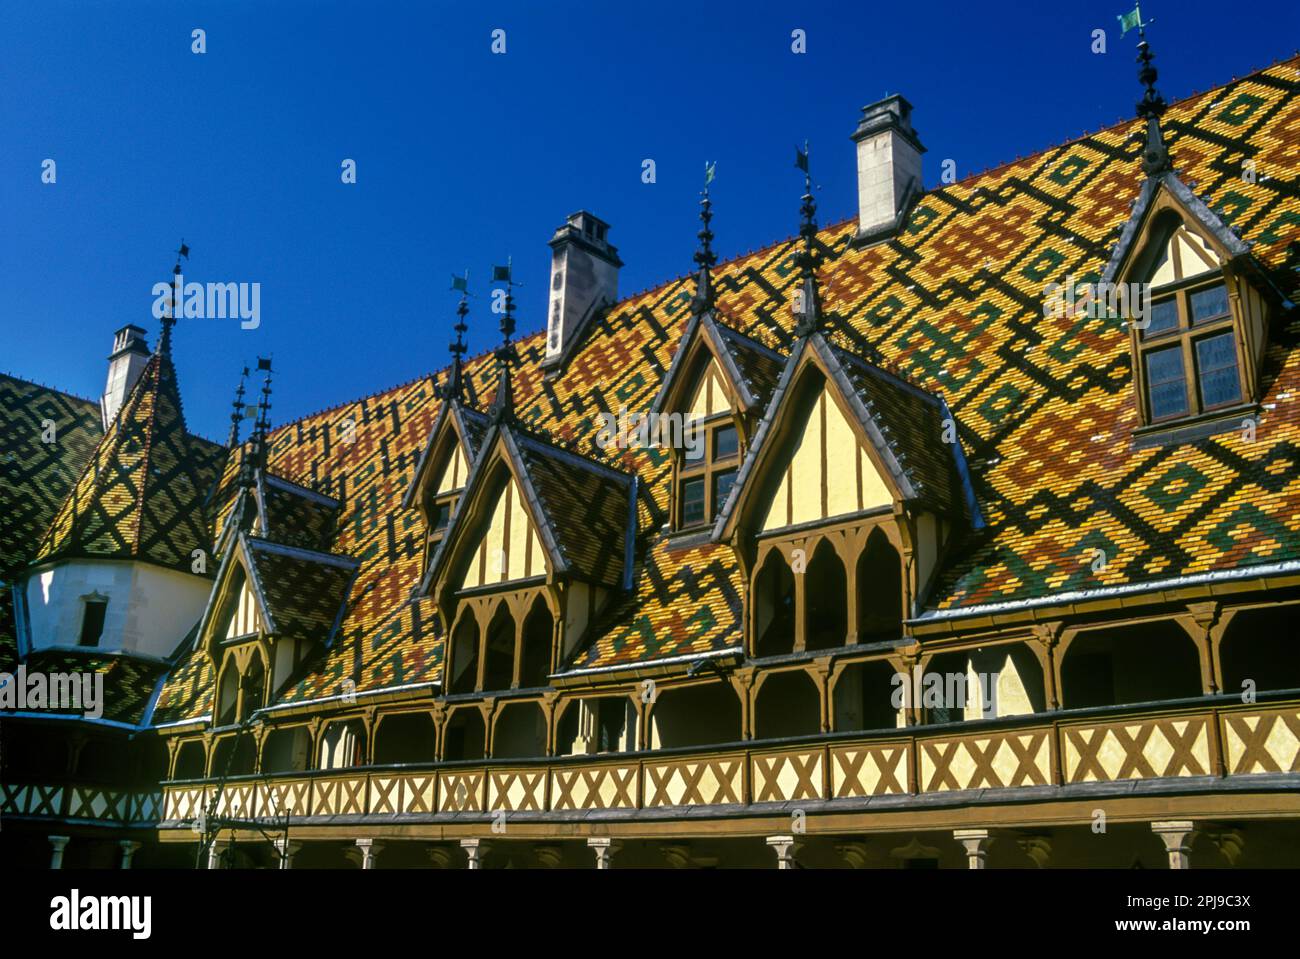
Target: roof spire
{"points": [[170, 315], [807, 305], [255, 455], [705, 258], [1152, 106], [503, 406], [237, 412], [455, 381]]}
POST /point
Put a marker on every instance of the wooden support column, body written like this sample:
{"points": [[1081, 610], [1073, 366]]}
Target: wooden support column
{"points": [[742, 681], [821, 674], [1206, 623], [1046, 639]]}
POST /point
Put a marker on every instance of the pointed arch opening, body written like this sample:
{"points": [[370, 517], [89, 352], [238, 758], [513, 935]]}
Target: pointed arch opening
{"points": [[520, 732], [880, 590], [463, 668], [774, 607], [499, 658], [405, 738], [826, 591], [539, 632]]}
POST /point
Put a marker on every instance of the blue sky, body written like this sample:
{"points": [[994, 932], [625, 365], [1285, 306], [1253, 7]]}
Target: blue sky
{"points": [[464, 156]]}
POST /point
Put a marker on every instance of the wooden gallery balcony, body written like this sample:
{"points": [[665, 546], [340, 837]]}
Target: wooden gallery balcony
{"points": [[1175, 758]]}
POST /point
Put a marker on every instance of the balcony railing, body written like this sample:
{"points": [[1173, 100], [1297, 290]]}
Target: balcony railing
{"points": [[1207, 738], [92, 804]]}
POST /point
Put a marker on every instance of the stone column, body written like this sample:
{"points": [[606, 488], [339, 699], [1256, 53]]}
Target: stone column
{"points": [[605, 848], [1178, 836], [128, 848], [474, 850], [370, 849], [786, 848], [215, 852], [287, 849], [57, 845], [976, 843]]}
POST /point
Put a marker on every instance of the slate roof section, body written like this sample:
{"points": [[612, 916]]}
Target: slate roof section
{"points": [[143, 494]]}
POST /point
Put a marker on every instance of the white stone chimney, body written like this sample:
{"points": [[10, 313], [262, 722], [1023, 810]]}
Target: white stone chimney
{"points": [[130, 354], [584, 278], [889, 167]]}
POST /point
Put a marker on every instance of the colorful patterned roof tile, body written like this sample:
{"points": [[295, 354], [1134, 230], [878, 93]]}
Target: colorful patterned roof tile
{"points": [[953, 305], [143, 493], [304, 590]]}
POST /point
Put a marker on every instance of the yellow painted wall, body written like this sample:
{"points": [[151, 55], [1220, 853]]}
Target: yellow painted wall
{"points": [[1187, 245], [247, 618], [454, 472], [710, 396], [829, 472], [509, 550]]}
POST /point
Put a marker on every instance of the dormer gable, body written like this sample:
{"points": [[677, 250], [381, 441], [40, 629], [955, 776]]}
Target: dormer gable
{"points": [[1198, 307], [843, 436], [706, 412], [443, 469], [285, 601]]}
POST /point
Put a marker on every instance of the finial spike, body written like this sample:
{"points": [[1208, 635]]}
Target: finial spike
{"points": [[705, 258], [237, 411], [503, 405], [808, 299]]}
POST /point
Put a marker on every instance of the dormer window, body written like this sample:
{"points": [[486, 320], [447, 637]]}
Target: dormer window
{"points": [[1189, 353], [707, 470], [1197, 352]]}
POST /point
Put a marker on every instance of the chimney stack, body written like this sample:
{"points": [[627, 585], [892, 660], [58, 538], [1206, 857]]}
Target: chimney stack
{"points": [[889, 168], [584, 278], [130, 354]]}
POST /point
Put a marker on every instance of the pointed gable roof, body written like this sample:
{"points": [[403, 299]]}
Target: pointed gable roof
{"points": [[903, 424], [299, 592], [584, 512], [471, 427], [143, 494], [752, 369]]}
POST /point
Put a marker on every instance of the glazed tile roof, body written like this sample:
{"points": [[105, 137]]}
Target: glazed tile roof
{"points": [[587, 506], [35, 476], [953, 304], [143, 494], [295, 516], [129, 682], [911, 422], [304, 590]]}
